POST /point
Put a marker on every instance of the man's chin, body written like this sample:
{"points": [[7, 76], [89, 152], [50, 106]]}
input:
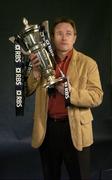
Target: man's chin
{"points": [[64, 50]]}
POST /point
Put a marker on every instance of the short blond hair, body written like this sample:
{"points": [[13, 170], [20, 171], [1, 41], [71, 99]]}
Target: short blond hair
{"points": [[63, 20]]}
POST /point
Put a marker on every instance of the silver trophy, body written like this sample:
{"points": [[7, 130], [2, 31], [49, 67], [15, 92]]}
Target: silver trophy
{"points": [[36, 39]]}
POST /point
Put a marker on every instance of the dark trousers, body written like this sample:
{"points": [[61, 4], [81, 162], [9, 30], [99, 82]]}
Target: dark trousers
{"points": [[58, 147]]}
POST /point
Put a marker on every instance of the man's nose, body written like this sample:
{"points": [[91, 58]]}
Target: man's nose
{"points": [[64, 36]]}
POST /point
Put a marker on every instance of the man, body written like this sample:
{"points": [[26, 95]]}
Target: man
{"points": [[65, 133]]}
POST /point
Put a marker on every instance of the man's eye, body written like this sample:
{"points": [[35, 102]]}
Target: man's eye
{"points": [[59, 33], [69, 34]]}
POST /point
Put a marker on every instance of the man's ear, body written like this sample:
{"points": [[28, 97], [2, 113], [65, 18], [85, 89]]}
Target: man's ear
{"points": [[75, 37]]}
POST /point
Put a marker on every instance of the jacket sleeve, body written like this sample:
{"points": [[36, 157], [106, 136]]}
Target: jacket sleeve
{"points": [[88, 92], [31, 84]]}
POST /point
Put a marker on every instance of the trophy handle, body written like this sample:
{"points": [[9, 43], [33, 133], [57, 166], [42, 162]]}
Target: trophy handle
{"points": [[46, 26], [18, 40]]}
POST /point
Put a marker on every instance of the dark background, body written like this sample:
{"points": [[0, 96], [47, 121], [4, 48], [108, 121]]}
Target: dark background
{"points": [[93, 20]]}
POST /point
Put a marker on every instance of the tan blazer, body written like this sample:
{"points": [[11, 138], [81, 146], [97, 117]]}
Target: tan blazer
{"points": [[86, 93]]}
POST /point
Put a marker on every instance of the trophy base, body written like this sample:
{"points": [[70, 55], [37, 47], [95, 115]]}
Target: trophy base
{"points": [[52, 82]]}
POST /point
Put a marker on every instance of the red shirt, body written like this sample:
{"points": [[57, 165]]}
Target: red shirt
{"points": [[56, 106]]}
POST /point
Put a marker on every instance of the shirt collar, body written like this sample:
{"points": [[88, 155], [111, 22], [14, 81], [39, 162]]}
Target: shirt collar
{"points": [[67, 57]]}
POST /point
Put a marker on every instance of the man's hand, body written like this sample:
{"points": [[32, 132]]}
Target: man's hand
{"points": [[60, 87], [36, 66]]}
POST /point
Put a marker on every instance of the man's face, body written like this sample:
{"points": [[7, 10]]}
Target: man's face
{"points": [[64, 37]]}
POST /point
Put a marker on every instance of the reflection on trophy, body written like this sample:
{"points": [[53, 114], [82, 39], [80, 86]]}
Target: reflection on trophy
{"points": [[36, 39]]}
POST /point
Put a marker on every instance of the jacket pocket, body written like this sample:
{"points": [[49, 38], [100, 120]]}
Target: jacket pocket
{"points": [[86, 115]]}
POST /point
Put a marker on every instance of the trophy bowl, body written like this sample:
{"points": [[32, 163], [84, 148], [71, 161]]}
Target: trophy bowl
{"points": [[36, 39]]}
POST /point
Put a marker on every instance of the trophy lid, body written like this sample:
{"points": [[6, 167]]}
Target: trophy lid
{"points": [[25, 22], [28, 27]]}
